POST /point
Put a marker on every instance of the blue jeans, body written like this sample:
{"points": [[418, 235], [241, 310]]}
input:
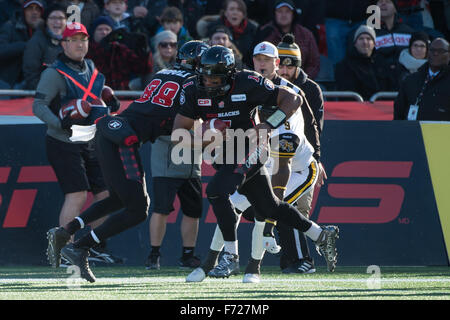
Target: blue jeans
{"points": [[338, 32]]}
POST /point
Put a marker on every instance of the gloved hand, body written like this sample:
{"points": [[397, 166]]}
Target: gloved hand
{"points": [[113, 104], [68, 121]]}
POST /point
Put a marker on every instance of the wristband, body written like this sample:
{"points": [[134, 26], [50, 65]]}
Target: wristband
{"points": [[276, 119]]}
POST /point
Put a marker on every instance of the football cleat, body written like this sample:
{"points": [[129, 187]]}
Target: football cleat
{"points": [[326, 245], [197, 275], [228, 265], [79, 258], [305, 266], [57, 238], [251, 278], [270, 244]]}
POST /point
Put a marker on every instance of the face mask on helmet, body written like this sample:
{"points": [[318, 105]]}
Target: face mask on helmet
{"points": [[188, 56], [216, 71]]}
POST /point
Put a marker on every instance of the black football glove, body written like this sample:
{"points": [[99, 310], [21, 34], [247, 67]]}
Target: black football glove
{"points": [[113, 104]]}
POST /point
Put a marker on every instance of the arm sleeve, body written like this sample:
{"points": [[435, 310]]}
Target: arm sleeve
{"points": [[49, 87]]}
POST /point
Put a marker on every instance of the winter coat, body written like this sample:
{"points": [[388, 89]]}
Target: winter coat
{"points": [[13, 38], [41, 50], [407, 64], [303, 38], [360, 74], [435, 102], [244, 41]]}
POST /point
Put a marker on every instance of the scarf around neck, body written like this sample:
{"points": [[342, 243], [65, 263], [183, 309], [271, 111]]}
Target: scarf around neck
{"points": [[238, 30], [409, 62]]}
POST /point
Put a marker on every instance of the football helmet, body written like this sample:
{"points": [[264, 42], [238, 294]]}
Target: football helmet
{"points": [[188, 56], [217, 61]]}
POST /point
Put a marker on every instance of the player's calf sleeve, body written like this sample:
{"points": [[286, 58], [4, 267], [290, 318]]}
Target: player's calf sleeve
{"points": [[100, 209], [257, 240], [290, 216], [210, 261], [226, 216], [217, 240]]}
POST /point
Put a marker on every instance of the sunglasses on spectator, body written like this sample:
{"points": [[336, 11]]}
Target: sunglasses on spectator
{"points": [[168, 44]]}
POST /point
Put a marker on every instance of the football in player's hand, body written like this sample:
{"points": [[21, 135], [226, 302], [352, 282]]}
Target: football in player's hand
{"points": [[215, 125], [107, 94], [77, 109], [98, 102]]}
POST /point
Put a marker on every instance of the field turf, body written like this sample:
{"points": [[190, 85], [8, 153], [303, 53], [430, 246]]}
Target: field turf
{"points": [[136, 283]]}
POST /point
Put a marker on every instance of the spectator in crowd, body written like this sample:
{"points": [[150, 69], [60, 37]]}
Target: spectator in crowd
{"points": [[310, 13], [10, 10], [13, 37], [172, 19], [44, 46], [117, 11], [415, 56], [342, 19], [425, 95], [221, 35], [391, 39], [119, 62], [285, 21], [359, 71], [88, 9], [147, 13], [243, 30], [192, 11], [411, 12], [165, 43]]}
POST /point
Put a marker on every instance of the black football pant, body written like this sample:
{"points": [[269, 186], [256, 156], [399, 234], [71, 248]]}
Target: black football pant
{"points": [[128, 201], [258, 190]]}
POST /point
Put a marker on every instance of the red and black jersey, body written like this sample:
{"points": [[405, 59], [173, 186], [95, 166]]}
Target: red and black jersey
{"points": [[153, 113], [248, 90]]}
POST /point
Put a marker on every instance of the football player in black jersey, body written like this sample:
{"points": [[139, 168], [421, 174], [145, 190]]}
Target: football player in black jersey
{"points": [[224, 93], [118, 139]]}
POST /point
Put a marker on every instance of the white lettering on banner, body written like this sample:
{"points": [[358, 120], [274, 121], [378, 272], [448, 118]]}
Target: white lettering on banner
{"points": [[390, 40]]}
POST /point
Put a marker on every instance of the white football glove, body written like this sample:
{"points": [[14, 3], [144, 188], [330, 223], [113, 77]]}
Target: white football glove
{"points": [[270, 244]]}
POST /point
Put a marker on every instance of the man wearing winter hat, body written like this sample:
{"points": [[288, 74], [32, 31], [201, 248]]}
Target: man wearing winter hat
{"points": [[360, 70]]}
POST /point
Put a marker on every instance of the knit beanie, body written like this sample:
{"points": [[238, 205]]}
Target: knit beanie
{"points": [[289, 51], [364, 29], [419, 35]]}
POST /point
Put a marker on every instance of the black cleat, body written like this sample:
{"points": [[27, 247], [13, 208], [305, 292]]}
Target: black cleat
{"points": [[57, 238], [98, 254], [326, 245], [228, 265], [79, 258]]}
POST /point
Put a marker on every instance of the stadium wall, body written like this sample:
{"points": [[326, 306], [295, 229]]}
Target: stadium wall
{"points": [[387, 190]]}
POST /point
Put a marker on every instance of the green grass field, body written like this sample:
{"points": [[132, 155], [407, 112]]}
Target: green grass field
{"points": [[136, 283]]}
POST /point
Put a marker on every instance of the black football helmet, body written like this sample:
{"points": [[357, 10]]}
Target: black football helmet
{"points": [[188, 56], [216, 61]]}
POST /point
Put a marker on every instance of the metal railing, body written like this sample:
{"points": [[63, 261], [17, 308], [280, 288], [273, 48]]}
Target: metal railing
{"points": [[135, 94], [383, 94], [343, 94]]}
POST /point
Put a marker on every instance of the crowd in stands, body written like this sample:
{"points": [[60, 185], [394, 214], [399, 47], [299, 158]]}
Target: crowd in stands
{"points": [[132, 39]]}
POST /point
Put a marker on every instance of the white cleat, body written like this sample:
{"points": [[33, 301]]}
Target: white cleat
{"points": [[271, 245], [197, 275], [251, 278]]}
